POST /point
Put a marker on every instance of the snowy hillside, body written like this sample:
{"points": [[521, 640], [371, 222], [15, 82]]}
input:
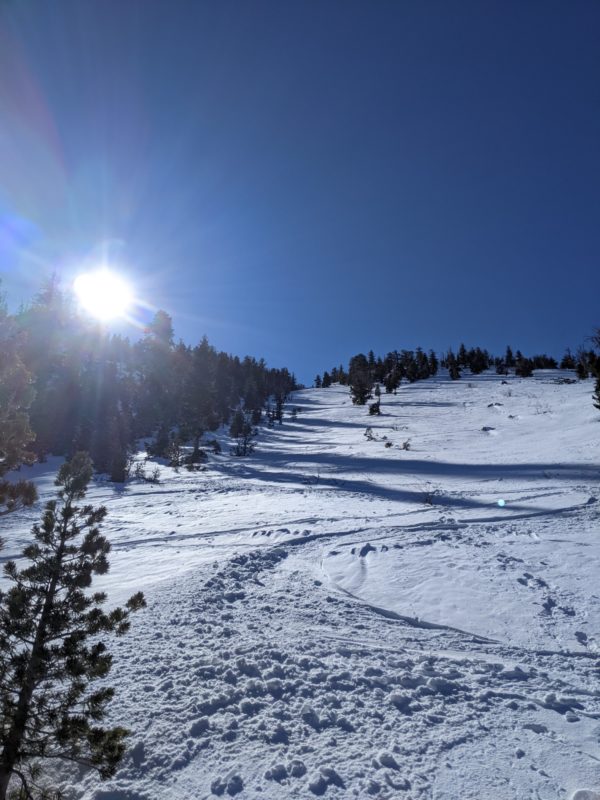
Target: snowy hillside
{"points": [[339, 616]]}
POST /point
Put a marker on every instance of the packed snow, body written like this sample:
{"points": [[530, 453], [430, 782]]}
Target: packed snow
{"points": [[409, 611]]}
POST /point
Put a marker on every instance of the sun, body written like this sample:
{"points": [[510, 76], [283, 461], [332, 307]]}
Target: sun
{"points": [[103, 293]]}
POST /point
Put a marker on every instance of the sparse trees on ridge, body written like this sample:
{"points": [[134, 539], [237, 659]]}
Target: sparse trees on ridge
{"points": [[415, 365]]}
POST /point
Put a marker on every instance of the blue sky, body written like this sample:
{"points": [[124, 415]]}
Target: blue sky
{"points": [[303, 180]]}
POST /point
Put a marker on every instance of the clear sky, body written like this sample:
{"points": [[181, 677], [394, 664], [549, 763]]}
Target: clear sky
{"points": [[304, 179]]}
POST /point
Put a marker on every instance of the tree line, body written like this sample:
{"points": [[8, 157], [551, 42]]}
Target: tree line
{"points": [[66, 385], [365, 372]]}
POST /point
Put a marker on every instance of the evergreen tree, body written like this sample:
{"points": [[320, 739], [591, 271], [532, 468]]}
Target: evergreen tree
{"points": [[478, 361], [453, 368], [241, 430], [597, 394], [51, 648], [433, 363], [318, 382], [326, 382], [582, 370], [371, 362], [279, 404], [523, 366], [567, 362], [509, 359], [359, 378]]}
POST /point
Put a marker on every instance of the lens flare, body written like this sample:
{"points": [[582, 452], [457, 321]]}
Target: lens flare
{"points": [[103, 294]]}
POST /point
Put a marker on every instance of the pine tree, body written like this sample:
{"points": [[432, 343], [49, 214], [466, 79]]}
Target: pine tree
{"points": [[241, 430], [318, 382], [509, 359], [523, 366], [453, 368], [51, 648], [596, 396], [359, 378], [582, 370], [567, 362], [433, 363], [326, 382]]}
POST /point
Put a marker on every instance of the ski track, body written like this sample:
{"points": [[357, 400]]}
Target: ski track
{"points": [[335, 618]]}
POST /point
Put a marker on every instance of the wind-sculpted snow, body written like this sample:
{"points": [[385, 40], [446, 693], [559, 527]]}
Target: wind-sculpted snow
{"points": [[338, 618]]}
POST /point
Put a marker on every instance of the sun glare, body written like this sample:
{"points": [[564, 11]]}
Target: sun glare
{"points": [[103, 294]]}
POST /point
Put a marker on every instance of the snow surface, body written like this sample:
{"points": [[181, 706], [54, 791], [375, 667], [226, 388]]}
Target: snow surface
{"points": [[338, 616]]}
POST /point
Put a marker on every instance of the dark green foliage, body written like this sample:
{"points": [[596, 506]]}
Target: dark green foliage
{"points": [[596, 396], [374, 408], [523, 366], [478, 361], [452, 365], [582, 370], [544, 362], [100, 393], [326, 382], [416, 365], [433, 363], [318, 382], [280, 399], [51, 642], [16, 495], [241, 430], [360, 380], [568, 361]]}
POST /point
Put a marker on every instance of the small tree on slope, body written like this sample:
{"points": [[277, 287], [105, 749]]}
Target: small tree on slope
{"points": [[51, 647], [597, 393]]}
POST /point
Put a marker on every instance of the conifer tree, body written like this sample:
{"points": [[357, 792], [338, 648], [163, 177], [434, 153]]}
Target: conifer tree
{"points": [[453, 368], [523, 366], [582, 370], [359, 378], [433, 363], [597, 394], [509, 359], [241, 430], [568, 361], [51, 644]]}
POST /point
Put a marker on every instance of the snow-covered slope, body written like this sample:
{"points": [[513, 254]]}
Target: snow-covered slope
{"points": [[339, 616]]}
